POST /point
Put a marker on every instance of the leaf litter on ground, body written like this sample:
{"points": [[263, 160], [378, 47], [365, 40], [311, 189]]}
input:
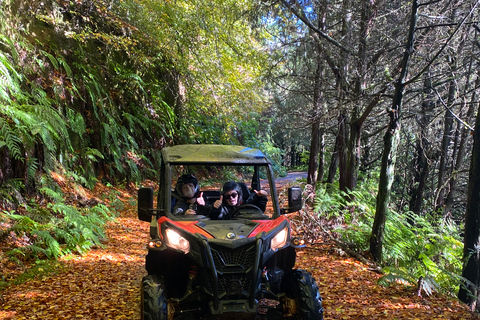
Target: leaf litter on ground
{"points": [[105, 283]]}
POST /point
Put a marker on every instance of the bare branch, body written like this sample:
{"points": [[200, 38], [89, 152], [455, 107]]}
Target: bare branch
{"points": [[443, 47], [453, 114], [307, 22]]}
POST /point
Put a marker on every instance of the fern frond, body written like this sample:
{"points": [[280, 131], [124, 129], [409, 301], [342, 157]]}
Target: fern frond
{"points": [[93, 154], [32, 167], [57, 196], [428, 284], [52, 59], [24, 223], [134, 171], [66, 67], [76, 122], [8, 77], [53, 248], [394, 275], [10, 139]]}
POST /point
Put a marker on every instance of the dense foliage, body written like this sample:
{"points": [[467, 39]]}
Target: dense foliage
{"points": [[99, 88], [93, 90], [426, 248]]}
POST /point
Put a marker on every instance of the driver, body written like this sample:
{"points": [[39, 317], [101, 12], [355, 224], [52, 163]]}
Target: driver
{"points": [[231, 198]]}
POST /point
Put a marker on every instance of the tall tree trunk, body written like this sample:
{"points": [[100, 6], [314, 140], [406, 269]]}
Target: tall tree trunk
{"points": [[391, 140], [342, 154], [317, 119], [353, 156], [422, 169], [469, 292], [421, 166], [314, 152], [342, 87], [461, 151], [332, 169], [448, 125], [447, 138], [321, 155]]}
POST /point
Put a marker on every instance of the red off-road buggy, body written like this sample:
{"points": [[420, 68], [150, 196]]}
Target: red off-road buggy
{"points": [[242, 268]]}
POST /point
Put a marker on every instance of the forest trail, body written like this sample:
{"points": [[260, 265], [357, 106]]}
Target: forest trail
{"points": [[105, 284]]}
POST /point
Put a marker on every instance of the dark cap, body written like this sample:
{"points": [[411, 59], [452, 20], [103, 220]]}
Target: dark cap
{"points": [[184, 179]]}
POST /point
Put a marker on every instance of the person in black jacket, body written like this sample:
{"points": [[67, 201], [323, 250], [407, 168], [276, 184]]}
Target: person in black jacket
{"points": [[189, 199], [231, 197]]}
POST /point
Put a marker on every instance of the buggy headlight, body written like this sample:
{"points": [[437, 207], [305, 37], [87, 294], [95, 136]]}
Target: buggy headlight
{"points": [[280, 240], [176, 241]]}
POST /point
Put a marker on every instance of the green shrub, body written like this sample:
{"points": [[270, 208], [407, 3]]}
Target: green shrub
{"points": [[57, 229], [425, 248]]}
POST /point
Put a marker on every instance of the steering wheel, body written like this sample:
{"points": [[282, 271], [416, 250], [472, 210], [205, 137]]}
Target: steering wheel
{"points": [[251, 211]]}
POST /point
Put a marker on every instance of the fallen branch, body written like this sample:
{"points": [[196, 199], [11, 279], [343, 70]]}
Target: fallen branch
{"points": [[372, 265]]}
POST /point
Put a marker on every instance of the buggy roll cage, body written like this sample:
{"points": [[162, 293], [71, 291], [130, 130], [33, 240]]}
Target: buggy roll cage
{"points": [[211, 154]]}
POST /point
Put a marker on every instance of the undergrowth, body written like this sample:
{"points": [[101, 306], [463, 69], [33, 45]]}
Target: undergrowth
{"points": [[39, 232], [423, 251]]}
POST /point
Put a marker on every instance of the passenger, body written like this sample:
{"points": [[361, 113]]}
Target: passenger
{"points": [[231, 197], [189, 199]]}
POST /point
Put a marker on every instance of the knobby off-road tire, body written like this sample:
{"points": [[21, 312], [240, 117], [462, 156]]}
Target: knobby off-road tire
{"points": [[301, 286], [154, 299]]}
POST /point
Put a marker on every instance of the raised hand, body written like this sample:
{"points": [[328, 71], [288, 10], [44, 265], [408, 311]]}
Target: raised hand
{"points": [[218, 203], [201, 200], [261, 193]]}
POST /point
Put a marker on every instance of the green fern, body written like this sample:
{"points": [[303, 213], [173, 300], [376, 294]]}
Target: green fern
{"points": [[394, 275], [55, 195], [52, 247], [26, 251], [32, 169], [76, 122], [52, 59], [8, 75], [24, 223], [10, 140], [68, 230], [424, 283], [415, 247]]}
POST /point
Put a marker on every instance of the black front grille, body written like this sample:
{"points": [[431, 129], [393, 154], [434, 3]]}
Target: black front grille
{"points": [[234, 269], [243, 256]]}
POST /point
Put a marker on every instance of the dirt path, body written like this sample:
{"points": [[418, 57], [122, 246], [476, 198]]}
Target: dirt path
{"points": [[290, 177], [102, 284], [105, 284]]}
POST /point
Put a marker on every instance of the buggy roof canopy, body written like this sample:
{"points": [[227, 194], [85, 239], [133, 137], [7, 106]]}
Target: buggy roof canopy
{"points": [[213, 154]]}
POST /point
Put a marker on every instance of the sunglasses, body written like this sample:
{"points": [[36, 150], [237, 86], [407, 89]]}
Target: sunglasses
{"points": [[231, 195]]}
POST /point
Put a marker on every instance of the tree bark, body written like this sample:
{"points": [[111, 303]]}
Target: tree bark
{"points": [[447, 138], [314, 152], [469, 292], [390, 141], [353, 156], [317, 122], [445, 159], [421, 167], [332, 169], [342, 154], [321, 155], [354, 143], [461, 151]]}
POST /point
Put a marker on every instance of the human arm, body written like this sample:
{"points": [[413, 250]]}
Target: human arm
{"points": [[259, 199]]}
